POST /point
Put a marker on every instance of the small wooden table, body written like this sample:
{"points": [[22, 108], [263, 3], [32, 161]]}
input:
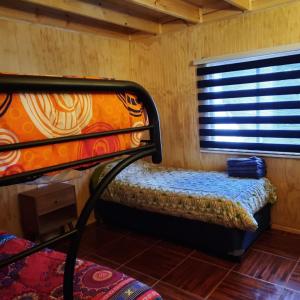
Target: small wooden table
{"points": [[44, 210]]}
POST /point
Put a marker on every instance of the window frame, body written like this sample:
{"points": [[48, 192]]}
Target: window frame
{"points": [[245, 57]]}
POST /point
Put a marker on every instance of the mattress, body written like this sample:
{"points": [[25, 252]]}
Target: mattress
{"points": [[211, 197], [38, 116], [40, 276]]}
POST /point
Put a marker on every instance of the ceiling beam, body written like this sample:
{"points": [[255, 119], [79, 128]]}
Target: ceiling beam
{"points": [[15, 14], [175, 8], [241, 4], [98, 13]]}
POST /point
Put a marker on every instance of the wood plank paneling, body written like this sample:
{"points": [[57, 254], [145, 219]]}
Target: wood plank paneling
{"points": [[163, 65], [97, 13], [36, 49], [33, 49], [12, 11], [175, 8]]}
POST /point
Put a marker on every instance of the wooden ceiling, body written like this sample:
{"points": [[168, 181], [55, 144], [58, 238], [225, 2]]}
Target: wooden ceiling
{"points": [[126, 17]]}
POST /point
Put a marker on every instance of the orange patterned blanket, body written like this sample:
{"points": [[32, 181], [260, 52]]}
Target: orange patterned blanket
{"points": [[38, 116]]}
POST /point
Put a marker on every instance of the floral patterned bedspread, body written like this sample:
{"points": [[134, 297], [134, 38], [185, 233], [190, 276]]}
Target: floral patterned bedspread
{"points": [[40, 277], [207, 196], [39, 116]]}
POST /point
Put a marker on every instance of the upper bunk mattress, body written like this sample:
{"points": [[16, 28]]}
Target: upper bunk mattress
{"points": [[212, 197], [39, 116]]}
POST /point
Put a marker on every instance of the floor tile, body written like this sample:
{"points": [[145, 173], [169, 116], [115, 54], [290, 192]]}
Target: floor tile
{"points": [[266, 266], [123, 249], [240, 287], [280, 243], [61, 246], [113, 228], [95, 238], [64, 246], [101, 261], [175, 247], [285, 233], [294, 281], [151, 239], [196, 277], [149, 259], [214, 260], [169, 292], [137, 275], [156, 262]]}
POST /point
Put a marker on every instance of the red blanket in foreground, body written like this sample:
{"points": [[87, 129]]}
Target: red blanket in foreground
{"points": [[40, 277]]}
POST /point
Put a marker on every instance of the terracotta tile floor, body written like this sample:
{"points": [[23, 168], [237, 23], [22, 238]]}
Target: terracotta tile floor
{"points": [[270, 270]]}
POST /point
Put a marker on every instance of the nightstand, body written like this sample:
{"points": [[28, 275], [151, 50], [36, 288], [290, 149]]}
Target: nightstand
{"points": [[44, 210]]}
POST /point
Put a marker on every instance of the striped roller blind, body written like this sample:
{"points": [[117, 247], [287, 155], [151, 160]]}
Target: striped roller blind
{"points": [[251, 104]]}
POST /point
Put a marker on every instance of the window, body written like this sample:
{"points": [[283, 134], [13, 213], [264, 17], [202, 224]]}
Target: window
{"points": [[251, 104]]}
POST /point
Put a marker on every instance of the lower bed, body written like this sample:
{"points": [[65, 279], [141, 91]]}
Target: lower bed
{"points": [[210, 209], [40, 277]]}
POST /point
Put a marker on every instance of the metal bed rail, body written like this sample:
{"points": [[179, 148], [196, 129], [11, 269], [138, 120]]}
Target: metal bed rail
{"points": [[38, 84]]}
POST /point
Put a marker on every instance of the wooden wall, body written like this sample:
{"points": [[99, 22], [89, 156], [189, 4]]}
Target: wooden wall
{"points": [[34, 49], [44, 50], [163, 65]]}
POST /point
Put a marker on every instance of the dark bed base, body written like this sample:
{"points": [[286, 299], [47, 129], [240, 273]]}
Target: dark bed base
{"points": [[214, 239]]}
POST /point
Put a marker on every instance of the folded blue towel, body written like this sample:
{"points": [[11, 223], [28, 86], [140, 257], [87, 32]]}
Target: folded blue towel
{"points": [[256, 175], [252, 167], [246, 167], [251, 161]]}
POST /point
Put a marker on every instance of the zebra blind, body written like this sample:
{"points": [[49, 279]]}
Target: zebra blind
{"points": [[251, 105]]}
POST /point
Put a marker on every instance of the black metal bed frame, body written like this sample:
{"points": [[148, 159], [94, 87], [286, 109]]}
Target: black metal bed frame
{"points": [[36, 84]]}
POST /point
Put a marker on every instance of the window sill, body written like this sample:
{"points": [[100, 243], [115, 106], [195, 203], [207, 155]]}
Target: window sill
{"points": [[251, 153]]}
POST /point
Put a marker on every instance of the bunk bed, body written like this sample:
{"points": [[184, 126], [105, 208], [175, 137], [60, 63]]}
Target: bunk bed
{"points": [[50, 124]]}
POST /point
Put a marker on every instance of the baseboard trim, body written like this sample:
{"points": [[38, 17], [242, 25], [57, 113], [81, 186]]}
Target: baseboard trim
{"points": [[285, 228]]}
